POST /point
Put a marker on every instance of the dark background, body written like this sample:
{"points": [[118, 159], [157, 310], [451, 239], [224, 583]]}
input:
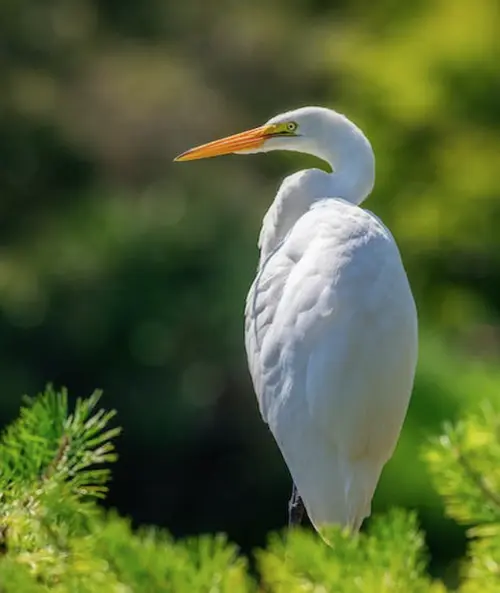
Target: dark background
{"points": [[123, 271]]}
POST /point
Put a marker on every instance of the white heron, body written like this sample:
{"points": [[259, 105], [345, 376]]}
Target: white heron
{"points": [[330, 321]]}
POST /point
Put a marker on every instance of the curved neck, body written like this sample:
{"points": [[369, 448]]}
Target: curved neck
{"points": [[346, 149], [350, 155], [349, 185]]}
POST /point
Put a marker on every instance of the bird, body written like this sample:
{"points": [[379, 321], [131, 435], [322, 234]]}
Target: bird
{"points": [[331, 324]]}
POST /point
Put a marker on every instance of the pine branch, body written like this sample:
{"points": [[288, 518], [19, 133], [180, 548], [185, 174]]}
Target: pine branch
{"points": [[477, 479], [47, 444], [49, 473], [465, 465]]}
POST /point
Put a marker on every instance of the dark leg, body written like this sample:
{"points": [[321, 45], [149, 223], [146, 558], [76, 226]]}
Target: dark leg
{"points": [[295, 509]]}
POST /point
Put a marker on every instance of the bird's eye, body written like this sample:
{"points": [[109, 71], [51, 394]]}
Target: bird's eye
{"points": [[291, 126]]}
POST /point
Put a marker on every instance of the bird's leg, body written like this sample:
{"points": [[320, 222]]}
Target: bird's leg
{"points": [[295, 509]]}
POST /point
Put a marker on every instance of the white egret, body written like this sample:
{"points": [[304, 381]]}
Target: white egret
{"points": [[330, 320]]}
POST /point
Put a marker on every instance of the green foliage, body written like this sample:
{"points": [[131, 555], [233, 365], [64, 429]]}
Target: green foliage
{"points": [[389, 558], [54, 536], [47, 445], [465, 464], [464, 461]]}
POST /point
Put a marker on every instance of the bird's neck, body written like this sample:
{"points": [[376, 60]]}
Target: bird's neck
{"points": [[351, 158], [349, 186], [296, 195], [299, 192]]}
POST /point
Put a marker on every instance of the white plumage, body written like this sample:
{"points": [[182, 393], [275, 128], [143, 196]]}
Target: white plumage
{"points": [[330, 321]]}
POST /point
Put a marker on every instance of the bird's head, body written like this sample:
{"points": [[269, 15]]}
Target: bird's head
{"points": [[307, 129], [321, 132]]}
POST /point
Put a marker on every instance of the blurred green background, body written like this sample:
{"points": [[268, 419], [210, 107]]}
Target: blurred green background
{"points": [[121, 270]]}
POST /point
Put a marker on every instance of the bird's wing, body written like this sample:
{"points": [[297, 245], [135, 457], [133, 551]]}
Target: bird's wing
{"points": [[331, 343]]}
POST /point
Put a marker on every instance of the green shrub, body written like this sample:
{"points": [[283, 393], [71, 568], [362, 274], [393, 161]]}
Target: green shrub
{"points": [[55, 537]]}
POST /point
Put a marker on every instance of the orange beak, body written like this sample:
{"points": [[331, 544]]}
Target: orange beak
{"points": [[242, 141]]}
